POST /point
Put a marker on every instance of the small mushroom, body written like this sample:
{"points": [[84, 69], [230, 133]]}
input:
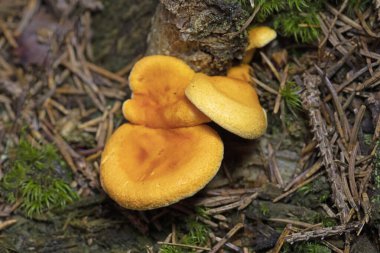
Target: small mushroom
{"points": [[231, 103], [241, 72], [258, 37], [158, 84], [144, 168]]}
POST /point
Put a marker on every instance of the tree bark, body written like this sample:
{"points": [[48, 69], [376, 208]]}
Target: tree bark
{"points": [[199, 32]]}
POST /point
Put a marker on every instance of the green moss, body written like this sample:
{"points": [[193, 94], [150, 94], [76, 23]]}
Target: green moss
{"points": [[367, 138], [264, 209], [313, 194], [291, 18], [170, 249], [38, 177], [198, 233], [268, 8], [304, 27], [306, 189], [291, 95], [202, 211], [194, 233]]}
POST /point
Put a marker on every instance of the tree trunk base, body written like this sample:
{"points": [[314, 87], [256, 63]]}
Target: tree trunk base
{"points": [[199, 32]]}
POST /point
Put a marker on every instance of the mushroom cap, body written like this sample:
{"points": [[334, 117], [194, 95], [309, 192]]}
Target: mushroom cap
{"points": [[231, 103], [241, 72], [144, 168], [260, 36], [158, 84]]}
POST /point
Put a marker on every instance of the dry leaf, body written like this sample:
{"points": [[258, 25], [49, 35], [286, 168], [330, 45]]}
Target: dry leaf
{"points": [[36, 42]]}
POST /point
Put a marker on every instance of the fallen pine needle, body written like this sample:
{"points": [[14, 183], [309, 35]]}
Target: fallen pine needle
{"points": [[184, 245]]}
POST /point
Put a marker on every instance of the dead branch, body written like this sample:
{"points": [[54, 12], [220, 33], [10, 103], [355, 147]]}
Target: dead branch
{"points": [[311, 102]]}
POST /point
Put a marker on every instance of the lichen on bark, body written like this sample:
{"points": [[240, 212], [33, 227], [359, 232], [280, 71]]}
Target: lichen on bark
{"points": [[199, 32]]}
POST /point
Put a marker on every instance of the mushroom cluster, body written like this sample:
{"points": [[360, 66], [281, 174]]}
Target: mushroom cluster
{"points": [[167, 152]]}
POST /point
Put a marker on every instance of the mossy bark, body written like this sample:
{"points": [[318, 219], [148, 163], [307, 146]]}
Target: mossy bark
{"points": [[199, 32]]}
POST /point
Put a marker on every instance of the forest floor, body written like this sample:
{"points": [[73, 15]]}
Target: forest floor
{"points": [[310, 184]]}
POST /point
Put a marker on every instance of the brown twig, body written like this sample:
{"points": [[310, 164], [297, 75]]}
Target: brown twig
{"points": [[231, 233], [311, 103], [323, 232]]}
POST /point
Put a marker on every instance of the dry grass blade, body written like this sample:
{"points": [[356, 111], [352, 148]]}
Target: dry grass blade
{"points": [[229, 192], [351, 79], [365, 25], [185, 246], [332, 37], [224, 208], [245, 202], [231, 233], [351, 173], [264, 86], [293, 222], [62, 147], [344, 18], [332, 247], [284, 77], [341, 9], [275, 174], [106, 73], [337, 104], [295, 188], [370, 81], [29, 11], [271, 67], [305, 175], [8, 34], [217, 201], [281, 239], [355, 128], [7, 223]]}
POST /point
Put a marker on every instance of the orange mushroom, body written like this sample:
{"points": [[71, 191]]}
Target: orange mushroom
{"points": [[145, 168], [231, 103], [158, 84], [241, 72], [258, 37]]}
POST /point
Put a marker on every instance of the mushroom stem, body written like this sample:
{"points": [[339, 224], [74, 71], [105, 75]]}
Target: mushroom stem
{"points": [[247, 58]]}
